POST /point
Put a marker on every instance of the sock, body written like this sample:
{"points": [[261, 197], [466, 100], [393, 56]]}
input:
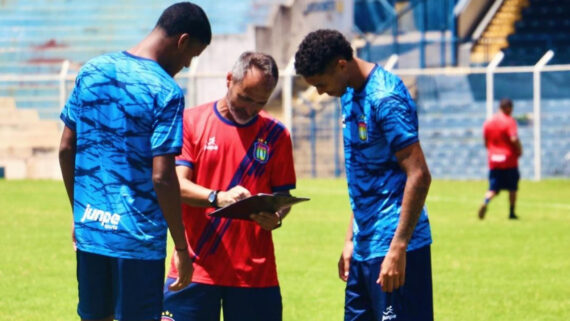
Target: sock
{"points": [[487, 200], [512, 210]]}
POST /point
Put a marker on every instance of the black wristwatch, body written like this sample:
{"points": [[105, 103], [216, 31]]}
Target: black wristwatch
{"points": [[213, 198]]}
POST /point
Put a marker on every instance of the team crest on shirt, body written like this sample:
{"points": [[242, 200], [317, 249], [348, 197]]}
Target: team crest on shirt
{"points": [[362, 128], [261, 151]]}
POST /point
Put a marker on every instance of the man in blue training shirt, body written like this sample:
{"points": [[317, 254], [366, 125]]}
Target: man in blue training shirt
{"points": [[386, 258], [123, 128]]}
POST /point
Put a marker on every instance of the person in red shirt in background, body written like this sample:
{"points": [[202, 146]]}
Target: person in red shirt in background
{"points": [[503, 151]]}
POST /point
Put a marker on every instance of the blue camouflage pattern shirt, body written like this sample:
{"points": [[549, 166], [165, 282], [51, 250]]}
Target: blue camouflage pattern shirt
{"points": [[378, 121], [125, 110]]}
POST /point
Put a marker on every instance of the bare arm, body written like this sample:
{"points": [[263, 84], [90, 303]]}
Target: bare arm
{"points": [[518, 146], [192, 193], [168, 193], [346, 255], [411, 160], [67, 149], [197, 195]]}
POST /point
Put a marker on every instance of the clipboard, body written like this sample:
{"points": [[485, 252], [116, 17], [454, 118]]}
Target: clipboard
{"points": [[257, 203]]}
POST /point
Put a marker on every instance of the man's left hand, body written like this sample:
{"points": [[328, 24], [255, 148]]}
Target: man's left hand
{"points": [[267, 221]]}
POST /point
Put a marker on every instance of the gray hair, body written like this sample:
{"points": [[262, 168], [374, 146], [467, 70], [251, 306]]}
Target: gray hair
{"points": [[247, 60]]}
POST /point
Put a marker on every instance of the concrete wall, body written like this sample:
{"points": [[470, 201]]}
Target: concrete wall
{"points": [[285, 28], [288, 24], [28, 145], [215, 62], [471, 16]]}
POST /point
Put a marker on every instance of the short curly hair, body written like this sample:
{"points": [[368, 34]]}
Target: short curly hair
{"points": [[186, 17], [318, 49]]}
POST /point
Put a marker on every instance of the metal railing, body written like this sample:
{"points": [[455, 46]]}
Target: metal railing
{"points": [[63, 80], [490, 72]]}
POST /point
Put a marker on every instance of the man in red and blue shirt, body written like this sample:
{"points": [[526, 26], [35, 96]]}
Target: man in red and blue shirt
{"points": [[232, 149], [503, 150]]}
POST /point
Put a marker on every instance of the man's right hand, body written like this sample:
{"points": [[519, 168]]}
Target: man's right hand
{"points": [[232, 195], [185, 269], [344, 261]]}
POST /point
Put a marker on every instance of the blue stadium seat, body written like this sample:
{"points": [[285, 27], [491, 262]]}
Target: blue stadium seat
{"points": [[36, 36], [545, 25]]}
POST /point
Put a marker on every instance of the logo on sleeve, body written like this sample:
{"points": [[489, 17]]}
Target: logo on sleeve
{"points": [[362, 128], [261, 151]]}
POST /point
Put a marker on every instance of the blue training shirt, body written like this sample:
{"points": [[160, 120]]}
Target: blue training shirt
{"points": [[378, 121], [125, 110]]}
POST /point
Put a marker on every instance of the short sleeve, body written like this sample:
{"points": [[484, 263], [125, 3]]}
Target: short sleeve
{"points": [[186, 157], [283, 169], [398, 121], [69, 113], [166, 137]]}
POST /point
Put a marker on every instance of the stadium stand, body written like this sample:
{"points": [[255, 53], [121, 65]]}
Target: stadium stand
{"points": [[494, 38], [412, 29], [452, 108], [544, 25], [35, 39], [34, 32], [37, 36], [451, 120], [376, 16], [450, 130]]}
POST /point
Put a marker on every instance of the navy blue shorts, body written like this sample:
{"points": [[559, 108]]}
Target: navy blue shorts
{"points": [[504, 179], [203, 302], [365, 300], [126, 288]]}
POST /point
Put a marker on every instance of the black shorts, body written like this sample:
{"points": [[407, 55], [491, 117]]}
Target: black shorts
{"points": [[203, 302], [128, 289], [504, 179], [365, 300]]}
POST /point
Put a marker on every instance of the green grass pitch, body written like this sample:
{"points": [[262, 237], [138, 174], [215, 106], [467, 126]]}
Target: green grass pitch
{"points": [[494, 269]]}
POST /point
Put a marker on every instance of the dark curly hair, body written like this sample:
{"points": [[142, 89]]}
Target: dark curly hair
{"points": [[318, 49], [186, 17]]}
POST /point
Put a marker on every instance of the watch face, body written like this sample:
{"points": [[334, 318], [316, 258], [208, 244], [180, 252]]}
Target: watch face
{"points": [[212, 197]]}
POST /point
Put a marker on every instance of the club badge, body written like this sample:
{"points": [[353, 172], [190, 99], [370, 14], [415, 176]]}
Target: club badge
{"points": [[362, 128], [261, 151]]}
